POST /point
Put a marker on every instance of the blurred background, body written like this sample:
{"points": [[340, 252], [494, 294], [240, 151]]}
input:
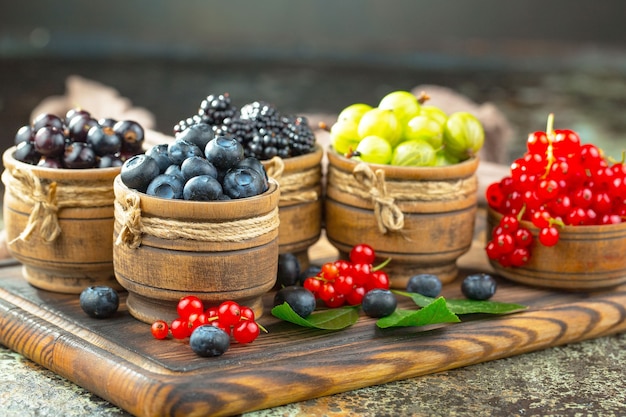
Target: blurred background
{"points": [[527, 58]]}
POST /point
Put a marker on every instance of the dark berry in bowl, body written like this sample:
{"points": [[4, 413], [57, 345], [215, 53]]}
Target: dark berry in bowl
{"points": [[288, 270], [50, 162], [99, 301], [180, 149], [104, 140], [107, 122], [479, 286], [79, 127], [197, 165], [132, 134], [79, 155], [50, 141], [243, 182], [301, 300], [428, 285], [24, 134], [73, 112], [199, 134], [109, 161], [224, 152], [47, 120], [138, 171], [166, 186], [26, 152], [209, 341], [202, 188], [160, 155], [379, 303]]}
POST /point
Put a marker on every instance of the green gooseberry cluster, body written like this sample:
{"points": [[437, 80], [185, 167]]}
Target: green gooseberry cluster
{"points": [[404, 131]]}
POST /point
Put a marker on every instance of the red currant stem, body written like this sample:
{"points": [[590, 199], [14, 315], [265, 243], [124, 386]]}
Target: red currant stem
{"points": [[520, 215], [549, 153], [558, 222], [324, 126], [263, 329], [381, 265], [323, 279], [423, 97]]}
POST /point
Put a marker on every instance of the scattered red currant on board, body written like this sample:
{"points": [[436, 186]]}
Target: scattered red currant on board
{"points": [[235, 320], [558, 182], [347, 281]]}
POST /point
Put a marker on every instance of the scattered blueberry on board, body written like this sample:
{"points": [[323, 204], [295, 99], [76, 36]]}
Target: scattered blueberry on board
{"points": [[379, 303], [301, 300], [208, 341], [77, 141], [428, 285], [99, 302], [479, 286]]}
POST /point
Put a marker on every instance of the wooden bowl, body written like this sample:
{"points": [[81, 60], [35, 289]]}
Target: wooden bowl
{"points": [[59, 224], [300, 206], [438, 206], [166, 249], [586, 258]]}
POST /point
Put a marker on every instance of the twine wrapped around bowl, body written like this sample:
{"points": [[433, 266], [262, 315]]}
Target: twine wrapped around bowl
{"points": [[59, 224], [166, 249], [586, 258], [422, 218], [300, 205]]}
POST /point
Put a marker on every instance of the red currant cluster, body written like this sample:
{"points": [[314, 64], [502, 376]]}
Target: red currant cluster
{"points": [[236, 320], [510, 242], [557, 182], [346, 282]]}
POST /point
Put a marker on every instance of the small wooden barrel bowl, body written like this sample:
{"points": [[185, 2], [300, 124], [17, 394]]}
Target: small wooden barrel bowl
{"points": [[437, 205], [59, 224], [166, 249], [300, 206], [586, 258]]}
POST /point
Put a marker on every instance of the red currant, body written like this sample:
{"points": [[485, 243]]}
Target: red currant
{"points": [[362, 254], [549, 236], [246, 331], [159, 329], [189, 305], [179, 328], [229, 313]]}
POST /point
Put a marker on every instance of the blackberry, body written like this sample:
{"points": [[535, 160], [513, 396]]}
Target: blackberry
{"points": [[189, 121], [216, 108], [300, 136]]}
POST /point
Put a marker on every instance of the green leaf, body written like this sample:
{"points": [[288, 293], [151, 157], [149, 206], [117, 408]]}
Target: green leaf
{"points": [[434, 313], [466, 306], [331, 319]]}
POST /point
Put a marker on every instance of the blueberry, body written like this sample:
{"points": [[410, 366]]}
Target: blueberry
{"points": [[224, 152], [166, 186], [197, 165], [288, 270], [104, 141], [428, 285], [311, 271], [479, 286], [301, 300], [202, 188], [207, 341], [160, 155], [199, 134], [175, 171], [99, 301], [379, 303], [180, 149], [253, 163], [138, 171], [243, 182]]}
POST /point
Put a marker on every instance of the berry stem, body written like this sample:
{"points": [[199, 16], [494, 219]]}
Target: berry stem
{"points": [[381, 265], [549, 151]]}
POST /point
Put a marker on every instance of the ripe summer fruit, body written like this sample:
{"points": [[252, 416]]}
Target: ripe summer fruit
{"points": [[479, 286], [209, 341], [428, 285], [379, 303], [559, 181], [99, 301], [300, 299], [418, 134]]}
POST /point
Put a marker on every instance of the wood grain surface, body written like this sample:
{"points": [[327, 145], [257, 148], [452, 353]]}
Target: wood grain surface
{"points": [[119, 360]]}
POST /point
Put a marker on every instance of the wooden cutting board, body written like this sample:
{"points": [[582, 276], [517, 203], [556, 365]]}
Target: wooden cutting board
{"points": [[119, 360]]}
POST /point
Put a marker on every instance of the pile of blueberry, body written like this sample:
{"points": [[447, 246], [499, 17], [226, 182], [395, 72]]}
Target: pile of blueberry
{"points": [[260, 128], [78, 141], [196, 166]]}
